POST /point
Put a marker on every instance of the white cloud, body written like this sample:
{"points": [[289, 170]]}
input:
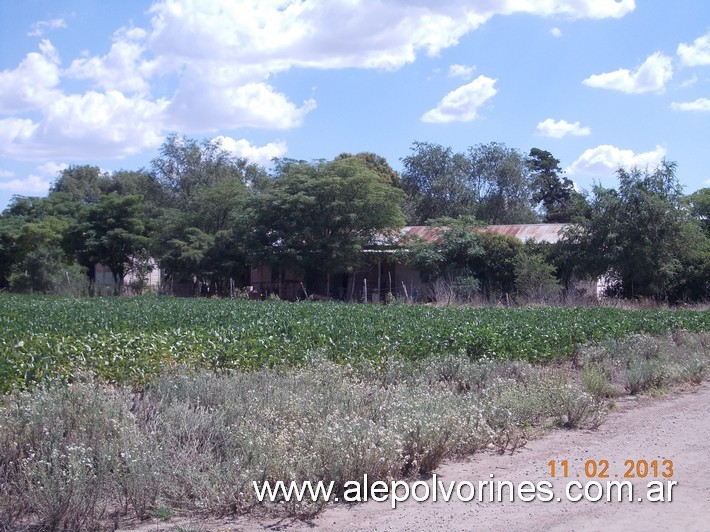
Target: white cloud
{"points": [[123, 68], [692, 80], [256, 154], [89, 125], [7, 173], [31, 84], [51, 168], [224, 55], [701, 104], [39, 27], [556, 32], [461, 105], [605, 160], [696, 54], [461, 71], [208, 104], [561, 128], [336, 34], [651, 76], [32, 185]]}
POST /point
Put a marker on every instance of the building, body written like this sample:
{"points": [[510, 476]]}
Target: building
{"points": [[384, 273]]}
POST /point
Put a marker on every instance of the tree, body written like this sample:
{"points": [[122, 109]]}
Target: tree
{"points": [[185, 166], [204, 226], [535, 278], [317, 217], [640, 235], [83, 184], [499, 181], [463, 249], [699, 203], [32, 256], [554, 192], [435, 181], [111, 232]]}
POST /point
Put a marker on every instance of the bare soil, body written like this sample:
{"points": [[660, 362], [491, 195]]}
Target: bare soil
{"points": [[673, 427]]}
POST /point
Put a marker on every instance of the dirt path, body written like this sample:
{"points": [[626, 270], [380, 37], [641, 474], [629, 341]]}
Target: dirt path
{"points": [[675, 427]]}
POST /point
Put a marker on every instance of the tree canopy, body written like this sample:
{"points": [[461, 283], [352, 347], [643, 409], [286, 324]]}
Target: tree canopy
{"points": [[208, 217]]}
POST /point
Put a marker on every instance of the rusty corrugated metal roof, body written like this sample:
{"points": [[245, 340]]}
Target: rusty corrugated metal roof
{"points": [[537, 232]]}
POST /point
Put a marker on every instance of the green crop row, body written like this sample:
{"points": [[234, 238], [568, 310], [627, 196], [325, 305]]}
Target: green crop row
{"points": [[129, 340]]}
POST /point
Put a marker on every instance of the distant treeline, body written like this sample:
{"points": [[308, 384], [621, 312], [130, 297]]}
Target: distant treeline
{"points": [[205, 214]]}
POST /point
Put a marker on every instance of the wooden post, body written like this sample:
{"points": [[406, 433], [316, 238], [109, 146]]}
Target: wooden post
{"points": [[379, 278], [364, 290]]}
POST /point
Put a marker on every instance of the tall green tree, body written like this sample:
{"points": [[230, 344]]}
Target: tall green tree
{"points": [[640, 236], [699, 204], [435, 179], [499, 179], [32, 255], [205, 223], [111, 232], [82, 183], [554, 192], [317, 217]]}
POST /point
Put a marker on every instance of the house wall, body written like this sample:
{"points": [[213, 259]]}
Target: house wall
{"points": [[103, 279]]}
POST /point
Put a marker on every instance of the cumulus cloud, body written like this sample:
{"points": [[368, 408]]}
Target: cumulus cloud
{"points": [[41, 26], [256, 154], [224, 56], [204, 104], [462, 104], [604, 160], [7, 173], [32, 84], [556, 32], [561, 128], [651, 76], [32, 185], [696, 54], [92, 124], [461, 71], [123, 68], [701, 104]]}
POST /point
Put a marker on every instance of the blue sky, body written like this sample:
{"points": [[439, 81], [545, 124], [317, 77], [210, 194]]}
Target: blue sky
{"points": [[598, 83]]}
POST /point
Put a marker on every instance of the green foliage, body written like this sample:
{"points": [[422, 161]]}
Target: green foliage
{"points": [[560, 202], [489, 182], [699, 202], [112, 232], [501, 183], [461, 249], [642, 238], [535, 279], [82, 184], [317, 217], [435, 180], [131, 340]]}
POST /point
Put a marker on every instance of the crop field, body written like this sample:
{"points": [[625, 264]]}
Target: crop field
{"points": [[129, 341]]}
